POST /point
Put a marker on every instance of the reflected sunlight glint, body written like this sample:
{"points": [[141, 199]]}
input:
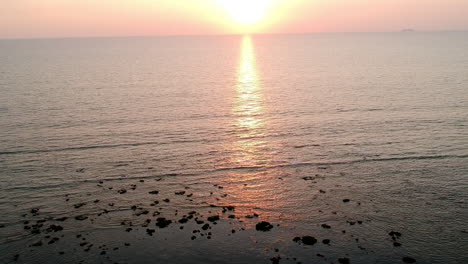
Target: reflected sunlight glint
{"points": [[248, 108]]}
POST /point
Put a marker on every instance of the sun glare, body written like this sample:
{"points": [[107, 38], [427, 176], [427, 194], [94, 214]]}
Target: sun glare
{"points": [[246, 12]]}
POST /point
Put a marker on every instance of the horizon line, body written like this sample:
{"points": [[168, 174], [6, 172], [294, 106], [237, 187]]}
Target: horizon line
{"points": [[233, 34]]}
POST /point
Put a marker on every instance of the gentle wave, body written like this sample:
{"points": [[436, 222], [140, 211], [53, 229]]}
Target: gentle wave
{"points": [[302, 164]]}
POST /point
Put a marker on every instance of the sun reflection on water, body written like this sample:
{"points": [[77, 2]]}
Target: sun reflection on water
{"points": [[248, 110]]}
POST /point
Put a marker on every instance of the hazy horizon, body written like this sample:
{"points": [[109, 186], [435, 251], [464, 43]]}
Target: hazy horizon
{"points": [[412, 30], [68, 19]]}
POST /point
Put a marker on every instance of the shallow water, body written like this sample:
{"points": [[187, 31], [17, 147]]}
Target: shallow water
{"points": [[283, 126]]}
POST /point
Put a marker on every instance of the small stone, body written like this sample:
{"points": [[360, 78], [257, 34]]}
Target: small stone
{"points": [[213, 218], [263, 226], [275, 260], [309, 240], [346, 200], [408, 260], [150, 231], [153, 192], [81, 217], [162, 222], [394, 235], [326, 241], [326, 226], [343, 260]]}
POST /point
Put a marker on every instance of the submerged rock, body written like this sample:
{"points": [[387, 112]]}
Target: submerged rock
{"points": [[343, 260], [309, 240], [275, 260], [263, 226], [54, 228], [162, 222], [150, 231], [213, 218], [394, 235], [408, 260], [81, 217]]}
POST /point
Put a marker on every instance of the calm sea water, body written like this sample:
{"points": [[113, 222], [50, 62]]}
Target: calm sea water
{"points": [[283, 126]]}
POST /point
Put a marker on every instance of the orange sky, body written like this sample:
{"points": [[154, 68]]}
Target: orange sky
{"points": [[78, 18]]}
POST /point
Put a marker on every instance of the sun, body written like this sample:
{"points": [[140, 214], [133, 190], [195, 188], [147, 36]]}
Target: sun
{"points": [[246, 12]]}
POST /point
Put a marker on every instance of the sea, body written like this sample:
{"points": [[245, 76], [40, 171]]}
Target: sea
{"points": [[358, 141]]}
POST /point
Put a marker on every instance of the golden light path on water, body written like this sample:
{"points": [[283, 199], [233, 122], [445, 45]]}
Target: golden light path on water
{"points": [[252, 190], [248, 110]]}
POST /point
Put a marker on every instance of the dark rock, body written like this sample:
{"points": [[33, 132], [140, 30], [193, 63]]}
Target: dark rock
{"points": [[61, 219], [34, 210], [143, 212], [162, 222], [205, 227], [297, 239], [81, 217], [16, 257], [343, 260], [122, 191], [326, 226], [275, 260], [166, 200], [193, 237], [54, 228], [150, 231], [346, 200], [396, 244], [55, 239], [183, 220], [309, 240], [394, 235], [129, 229], [153, 192], [213, 218], [408, 260], [180, 193], [263, 226], [326, 241]]}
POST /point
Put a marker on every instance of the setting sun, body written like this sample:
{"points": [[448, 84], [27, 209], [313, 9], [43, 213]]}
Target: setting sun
{"points": [[246, 12]]}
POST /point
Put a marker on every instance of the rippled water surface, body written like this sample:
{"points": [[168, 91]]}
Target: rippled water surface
{"points": [[283, 128]]}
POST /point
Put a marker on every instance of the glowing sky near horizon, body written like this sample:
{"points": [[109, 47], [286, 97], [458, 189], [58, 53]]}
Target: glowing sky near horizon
{"points": [[70, 18]]}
